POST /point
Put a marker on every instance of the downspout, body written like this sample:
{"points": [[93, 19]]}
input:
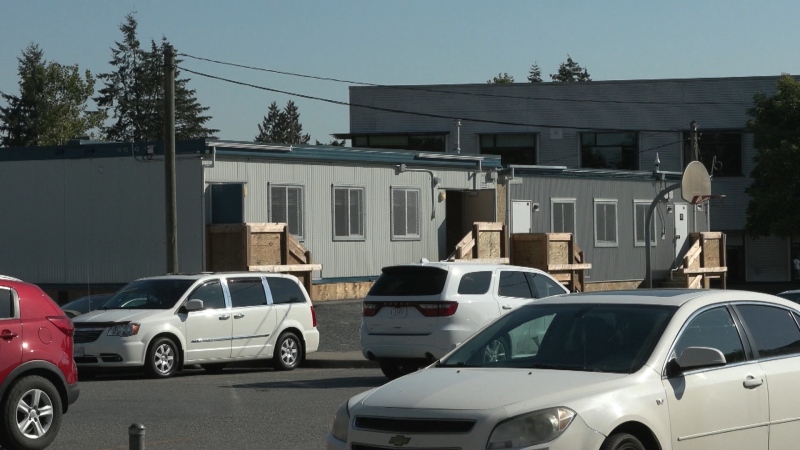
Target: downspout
{"points": [[434, 182]]}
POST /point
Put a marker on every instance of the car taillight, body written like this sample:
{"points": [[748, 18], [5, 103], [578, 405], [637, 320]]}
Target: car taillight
{"points": [[63, 323], [438, 309], [313, 317], [369, 309]]}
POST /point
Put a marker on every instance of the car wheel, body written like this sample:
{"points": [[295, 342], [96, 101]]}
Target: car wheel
{"points": [[31, 414], [162, 358], [288, 352], [622, 441], [497, 350], [213, 368], [395, 370]]}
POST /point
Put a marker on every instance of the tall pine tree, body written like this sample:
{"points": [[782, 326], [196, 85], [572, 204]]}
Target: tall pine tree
{"points": [[134, 93], [570, 71], [282, 127]]}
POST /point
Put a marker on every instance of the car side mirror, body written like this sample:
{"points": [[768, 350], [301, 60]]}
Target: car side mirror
{"points": [[697, 358], [194, 305]]}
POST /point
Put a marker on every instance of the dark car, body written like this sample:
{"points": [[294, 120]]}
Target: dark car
{"points": [[38, 376], [85, 304]]}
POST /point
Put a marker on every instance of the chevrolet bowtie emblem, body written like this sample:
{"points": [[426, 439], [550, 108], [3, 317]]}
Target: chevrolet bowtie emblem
{"points": [[399, 440]]}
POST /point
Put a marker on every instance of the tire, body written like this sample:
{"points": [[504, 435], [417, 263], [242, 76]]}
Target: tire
{"points": [[31, 414], [394, 370], [497, 350], [162, 358], [288, 352], [622, 441], [213, 368]]}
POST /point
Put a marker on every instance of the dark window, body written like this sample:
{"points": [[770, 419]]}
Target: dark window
{"points": [[514, 284], [211, 295], [6, 304], [286, 206], [512, 148], [285, 290], [715, 329], [610, 151], [422, 142], [409, 281], [725, 146], [640, 218], [405, 213], [226, 203], [605, 223], [348, 213], [544, 285], [564, 216], [773, 330], [247, 292], [475, 283]]}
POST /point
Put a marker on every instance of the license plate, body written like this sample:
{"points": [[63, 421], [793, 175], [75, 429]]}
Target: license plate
{"points": [[78, 352], [398, 313]]}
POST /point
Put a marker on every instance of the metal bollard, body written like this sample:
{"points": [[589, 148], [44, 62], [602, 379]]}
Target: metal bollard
{"points": [[136, 437]]}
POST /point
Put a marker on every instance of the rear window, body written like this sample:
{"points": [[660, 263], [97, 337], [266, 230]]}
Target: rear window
{"points": [[475, 283], [409, 281], [285, 290]]}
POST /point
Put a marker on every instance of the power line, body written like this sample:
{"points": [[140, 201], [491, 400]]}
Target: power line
{"points": [[474, 94], [413, 113]]}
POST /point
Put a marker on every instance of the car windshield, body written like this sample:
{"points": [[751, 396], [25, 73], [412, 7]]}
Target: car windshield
{"points": [[793, 296], [586, 337], [409, 281], [87, 303], [149, 294]]}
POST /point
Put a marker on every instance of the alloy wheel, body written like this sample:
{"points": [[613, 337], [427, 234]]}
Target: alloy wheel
{"points": [[34, 414]]}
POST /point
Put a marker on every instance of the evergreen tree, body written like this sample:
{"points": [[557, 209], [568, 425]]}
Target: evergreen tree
{"points": [[774, 207], [282, 127], [134, 93], [51, 107], [535, 73], [570, 71], [501, 78]]}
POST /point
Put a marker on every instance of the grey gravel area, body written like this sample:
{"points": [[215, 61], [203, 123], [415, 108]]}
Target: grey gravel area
{"points": [[338, 322]]}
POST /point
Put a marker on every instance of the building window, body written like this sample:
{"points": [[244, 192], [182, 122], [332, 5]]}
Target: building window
{"points": [[348, 213], [512, 148], [605, 223], [563, 220], [405, 213], [724, 147], [617, 151], [286, 206], [423, 142], [640, 208]]}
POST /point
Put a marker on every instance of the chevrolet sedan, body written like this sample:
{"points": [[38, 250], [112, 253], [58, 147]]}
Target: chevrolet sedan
{"points": [[617, 370]]}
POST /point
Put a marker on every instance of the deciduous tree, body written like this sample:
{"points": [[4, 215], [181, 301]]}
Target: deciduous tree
{"points": [[501, 78]]}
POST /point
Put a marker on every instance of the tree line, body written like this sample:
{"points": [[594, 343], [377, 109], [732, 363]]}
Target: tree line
{"points": [[568, 72]]}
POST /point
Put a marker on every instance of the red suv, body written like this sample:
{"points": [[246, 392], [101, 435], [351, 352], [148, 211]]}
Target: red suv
{"points": [[38, 376]]}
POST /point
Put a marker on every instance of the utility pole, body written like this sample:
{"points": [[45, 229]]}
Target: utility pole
{"points": [[169, 159], [695, 148]]}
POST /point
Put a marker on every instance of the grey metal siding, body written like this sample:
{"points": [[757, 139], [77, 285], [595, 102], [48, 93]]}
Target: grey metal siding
{"points": [[349, 258]]}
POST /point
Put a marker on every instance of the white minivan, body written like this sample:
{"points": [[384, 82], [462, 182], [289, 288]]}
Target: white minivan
{"points": [[415, 313], [163, 323]]}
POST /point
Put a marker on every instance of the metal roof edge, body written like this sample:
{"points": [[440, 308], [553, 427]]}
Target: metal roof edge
{"points": [[565, 172]]}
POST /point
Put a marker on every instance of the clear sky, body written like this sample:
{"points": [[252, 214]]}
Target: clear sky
{"points": [[405, 42]]}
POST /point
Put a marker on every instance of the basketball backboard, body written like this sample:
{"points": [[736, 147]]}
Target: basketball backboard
{"points": [[696, 183]]}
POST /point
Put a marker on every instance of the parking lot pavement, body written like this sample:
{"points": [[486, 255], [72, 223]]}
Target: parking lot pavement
{"points": [[338, 360]]}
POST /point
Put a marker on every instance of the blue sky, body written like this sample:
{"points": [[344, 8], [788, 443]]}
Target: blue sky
{"points": [[406, 42]]}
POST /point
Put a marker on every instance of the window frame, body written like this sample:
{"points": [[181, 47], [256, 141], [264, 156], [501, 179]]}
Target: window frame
{"points": [[501, 150], [687, 150], [564, 200], [606, 201], [405, 237], [640, 242], [362, 213], [637, 147], [14, 303], [302, 213]]}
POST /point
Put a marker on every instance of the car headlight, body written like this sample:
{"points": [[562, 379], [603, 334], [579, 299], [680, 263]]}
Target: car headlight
{"points": [[532, 428], [341, 423], [124, 329]]}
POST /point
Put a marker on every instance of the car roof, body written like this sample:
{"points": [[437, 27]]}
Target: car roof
{"points": [[462, 264], [670, 297], [203, 275]]}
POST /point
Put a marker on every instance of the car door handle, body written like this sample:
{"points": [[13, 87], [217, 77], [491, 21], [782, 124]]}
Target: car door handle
{"points": [[225, 317], [507, 307], [8, 335], [753, 382], [238, 316]]}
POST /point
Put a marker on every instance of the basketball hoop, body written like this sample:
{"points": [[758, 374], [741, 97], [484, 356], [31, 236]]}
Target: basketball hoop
{"points": [[714, 200]]}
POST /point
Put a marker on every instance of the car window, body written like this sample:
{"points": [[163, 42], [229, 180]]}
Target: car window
{"points": [[715, 329], [246, 292], [475, 283], [544, 285], [409, 281], [285, 290], [149, 294], [211, 294], [514, 283], [6, 304], [773, 330]]}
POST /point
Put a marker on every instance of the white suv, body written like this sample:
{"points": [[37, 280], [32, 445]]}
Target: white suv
{"points": [[166, 322], [414, 314]]}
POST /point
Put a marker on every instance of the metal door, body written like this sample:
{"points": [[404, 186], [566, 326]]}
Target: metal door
{"points": [[681, 228], [521, 216]]}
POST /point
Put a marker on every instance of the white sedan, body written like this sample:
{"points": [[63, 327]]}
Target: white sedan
{"points": [[617, 370]]}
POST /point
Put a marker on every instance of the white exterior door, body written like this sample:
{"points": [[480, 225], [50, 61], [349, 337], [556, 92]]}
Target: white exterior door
{"points": [[521, 216], [681, 227]]}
